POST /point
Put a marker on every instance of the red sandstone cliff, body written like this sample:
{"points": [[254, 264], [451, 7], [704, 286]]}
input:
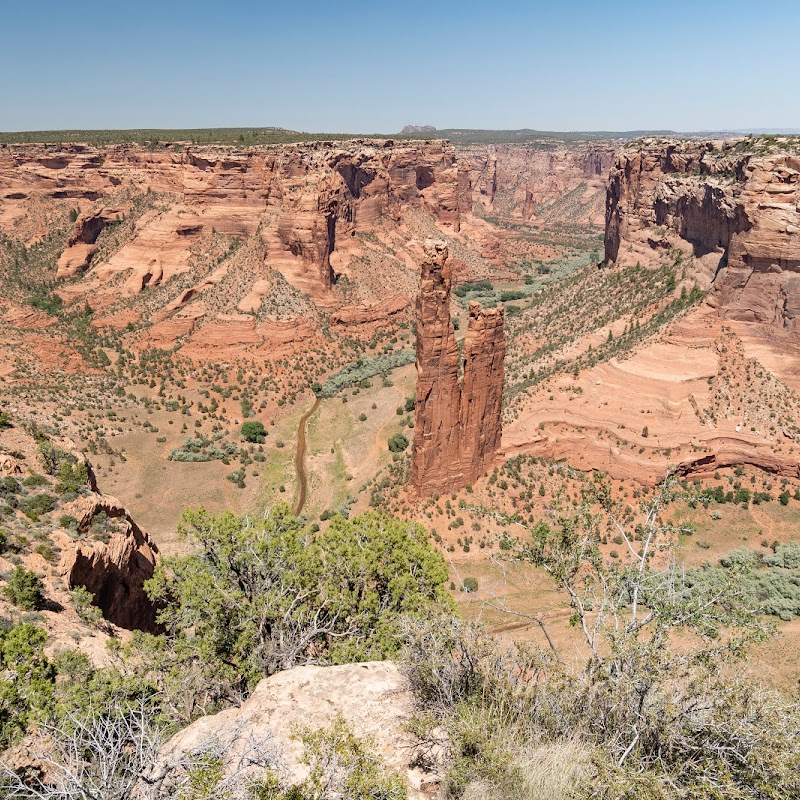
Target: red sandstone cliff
{"points": [[558, 181], [457, 427], [301, 198], [733, 206]]}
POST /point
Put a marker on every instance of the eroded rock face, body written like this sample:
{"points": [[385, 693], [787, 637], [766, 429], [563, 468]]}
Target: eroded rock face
{"points": [[114, 572], [457, 426], [81, 245], [301, 198], [734, 206], [532, 183], [373, 698]]}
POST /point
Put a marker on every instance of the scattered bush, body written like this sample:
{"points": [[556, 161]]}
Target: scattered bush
{"points": [[254, 432], [25, 589], [398, 443]]}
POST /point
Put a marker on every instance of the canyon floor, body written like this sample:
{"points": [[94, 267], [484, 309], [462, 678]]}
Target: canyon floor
{"points": [[156, 299]]}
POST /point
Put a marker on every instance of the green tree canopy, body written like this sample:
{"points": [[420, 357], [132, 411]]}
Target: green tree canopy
{"points": [[253, 431], [266, 594]]}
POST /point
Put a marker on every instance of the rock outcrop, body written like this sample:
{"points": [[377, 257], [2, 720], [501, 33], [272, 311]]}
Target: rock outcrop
{"points": [[734, 206], [457, 427], [81, 245], [373, 698], [113, 571]]}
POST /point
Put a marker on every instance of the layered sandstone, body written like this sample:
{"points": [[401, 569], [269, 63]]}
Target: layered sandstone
{"points": [[557, 182], [301, 198], [734, 207], [81, 245], [457, 427]]}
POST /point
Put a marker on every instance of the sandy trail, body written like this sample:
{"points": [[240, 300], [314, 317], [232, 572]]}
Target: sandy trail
{"points": [[300, 458]]}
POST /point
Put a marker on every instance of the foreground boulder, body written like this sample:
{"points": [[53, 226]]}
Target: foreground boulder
{"points": [[373, 698]]}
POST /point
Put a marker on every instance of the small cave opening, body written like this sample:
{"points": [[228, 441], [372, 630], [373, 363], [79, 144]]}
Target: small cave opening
{"points": [[425, 177], [355, 178]]}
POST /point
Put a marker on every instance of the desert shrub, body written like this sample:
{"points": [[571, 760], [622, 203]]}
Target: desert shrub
{"points": [[652, 717], [51, 455], [477, 286], [785, 555], [35, 480], [342, 765], [51, 303], [35, 505], [254, 432], [364, 369], [470, 585], [200, 449], [68, 521], [237, 477], [25, 589], [9, 487], [27, 680], [46, 551], [72, 476], [398, 443], [769, 584], [332, 596], [83, 601]]}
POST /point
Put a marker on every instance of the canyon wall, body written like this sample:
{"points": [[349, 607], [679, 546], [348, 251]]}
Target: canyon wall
{"points": [[457, 426], [553, 181], [301, 198], [734, 207]]}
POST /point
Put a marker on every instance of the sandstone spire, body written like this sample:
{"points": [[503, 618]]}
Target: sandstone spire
{"points": [[457, 427]]}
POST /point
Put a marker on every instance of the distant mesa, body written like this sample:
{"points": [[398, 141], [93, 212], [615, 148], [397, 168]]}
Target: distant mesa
{"points": [[418, 129]]}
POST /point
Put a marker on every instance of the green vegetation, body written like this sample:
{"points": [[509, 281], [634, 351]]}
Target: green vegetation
{"points": [[25, 589], [201, 448], [654, 714], [398, 443], [27, 680], [768, 583], [51, 303], [539, 139], [364, 369], [602, 296], [478, 286], [357, 772], [333, 596], [254, 432], [164, 137]]}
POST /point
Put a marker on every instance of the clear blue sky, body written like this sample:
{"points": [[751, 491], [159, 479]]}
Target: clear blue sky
{"points": [[355, 66]]}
